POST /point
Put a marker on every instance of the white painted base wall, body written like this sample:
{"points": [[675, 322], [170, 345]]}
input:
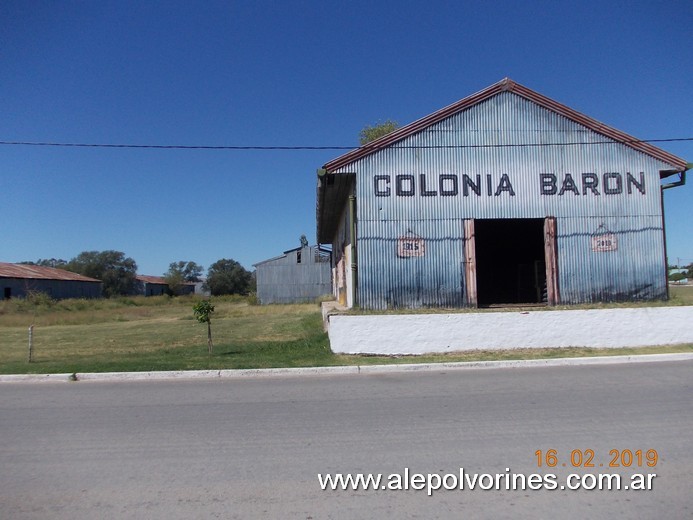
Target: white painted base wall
{"points": [[423, 333]]}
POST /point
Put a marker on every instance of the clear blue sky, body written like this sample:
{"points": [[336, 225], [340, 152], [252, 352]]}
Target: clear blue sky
{"points": [[287, 73]]}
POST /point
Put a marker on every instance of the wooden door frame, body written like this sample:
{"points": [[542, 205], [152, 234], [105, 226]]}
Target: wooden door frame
{"points": [[550, 255], [470, 263]]}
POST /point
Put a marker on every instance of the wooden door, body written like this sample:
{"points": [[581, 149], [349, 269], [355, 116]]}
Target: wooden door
{"points": [[551, 255]]}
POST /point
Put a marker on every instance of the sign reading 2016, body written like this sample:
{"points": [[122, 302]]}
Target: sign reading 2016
{"points": [[453, 185]]}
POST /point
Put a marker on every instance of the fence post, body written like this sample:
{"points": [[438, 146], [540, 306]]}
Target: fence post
{"points": [[31, 341]]}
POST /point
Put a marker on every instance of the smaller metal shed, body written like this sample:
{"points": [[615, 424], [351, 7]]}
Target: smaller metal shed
{"points": [[156, 286], [20, 280], [298, 275]]}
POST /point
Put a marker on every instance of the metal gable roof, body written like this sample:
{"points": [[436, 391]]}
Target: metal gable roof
{"points": [[156, 280], [37, 272], [159, 280], [279, 257], [505, 85]]}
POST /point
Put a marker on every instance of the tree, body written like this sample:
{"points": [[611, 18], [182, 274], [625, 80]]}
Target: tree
{"points": [[190, 271], [371, 133], [203, 313], [227, 276], [174, 280], [57, 263], [113, 268], [180, 273], [677, 277]]}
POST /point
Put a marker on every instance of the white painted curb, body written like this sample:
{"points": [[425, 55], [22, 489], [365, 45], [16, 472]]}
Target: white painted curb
{"points": [[338, 370]]}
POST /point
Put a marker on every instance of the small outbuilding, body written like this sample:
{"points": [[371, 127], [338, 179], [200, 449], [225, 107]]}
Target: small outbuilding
{"points": [[504, 197], [156, 286], [21, 280], [298, 275]]}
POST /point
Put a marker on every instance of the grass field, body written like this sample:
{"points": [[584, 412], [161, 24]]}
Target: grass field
{"points": [[160, 333]]}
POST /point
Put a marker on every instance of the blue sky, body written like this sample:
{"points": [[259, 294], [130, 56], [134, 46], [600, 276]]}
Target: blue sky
{"points": [[286, 73]]}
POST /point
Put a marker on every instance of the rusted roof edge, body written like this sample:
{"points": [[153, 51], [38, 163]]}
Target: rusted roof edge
{"points": [[38, 272]]}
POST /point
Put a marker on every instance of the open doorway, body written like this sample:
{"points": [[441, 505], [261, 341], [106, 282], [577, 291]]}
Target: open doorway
{"points": [[510, 261]]}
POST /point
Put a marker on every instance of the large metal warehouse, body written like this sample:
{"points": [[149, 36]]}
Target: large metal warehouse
{"points": [[20, 280], [505, 197]]}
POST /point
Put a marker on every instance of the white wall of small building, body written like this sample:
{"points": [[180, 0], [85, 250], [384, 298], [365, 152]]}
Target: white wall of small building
{"points": [[427, 333]]}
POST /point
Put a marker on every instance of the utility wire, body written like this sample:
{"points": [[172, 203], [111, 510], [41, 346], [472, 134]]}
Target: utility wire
{"points": [[365, 147]]}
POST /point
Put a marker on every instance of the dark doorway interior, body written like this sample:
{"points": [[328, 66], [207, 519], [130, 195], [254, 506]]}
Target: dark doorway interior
{"points": [[8, 293], [510, 261]]}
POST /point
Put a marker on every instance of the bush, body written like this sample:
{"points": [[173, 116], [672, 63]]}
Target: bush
{"points": [[124, 300], [39, 299]]}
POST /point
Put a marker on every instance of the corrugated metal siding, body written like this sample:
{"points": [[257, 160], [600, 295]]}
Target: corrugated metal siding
{"points": [[433, 280], [633, 272], [284, 280], [507, 119], [57, 289]]}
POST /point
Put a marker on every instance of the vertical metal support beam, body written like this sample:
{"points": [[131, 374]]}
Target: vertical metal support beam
{"points": [[551, 258], [470, 262], [354, 260]]}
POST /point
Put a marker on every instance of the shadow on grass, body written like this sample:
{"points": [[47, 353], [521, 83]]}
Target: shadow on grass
{"points": [[230, 353]]}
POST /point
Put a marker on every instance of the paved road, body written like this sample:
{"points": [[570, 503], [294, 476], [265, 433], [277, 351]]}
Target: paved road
{"points": [[253, 448]]}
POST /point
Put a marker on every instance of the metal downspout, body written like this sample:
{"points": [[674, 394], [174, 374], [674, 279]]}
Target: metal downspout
{"points": [[680, 182], [682, 177]]}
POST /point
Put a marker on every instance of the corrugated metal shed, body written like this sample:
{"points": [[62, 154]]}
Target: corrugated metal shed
{"points": [[456, 186], [157, 285], [20, 280], [298, 275]]}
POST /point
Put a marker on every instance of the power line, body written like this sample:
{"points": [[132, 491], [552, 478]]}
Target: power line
{"points": [[174, 146], [293, 148]]}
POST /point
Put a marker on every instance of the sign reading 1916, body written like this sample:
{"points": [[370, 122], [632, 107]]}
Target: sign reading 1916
{"points": [[453, 185]]}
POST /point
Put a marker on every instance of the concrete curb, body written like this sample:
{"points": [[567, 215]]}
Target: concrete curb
{"points": [[338, 370]]}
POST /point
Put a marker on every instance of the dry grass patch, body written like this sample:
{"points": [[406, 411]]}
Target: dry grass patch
{"points": [[160, 333]]}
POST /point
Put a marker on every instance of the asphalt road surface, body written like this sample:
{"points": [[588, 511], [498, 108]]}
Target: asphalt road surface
{"points": [[254, 448]]}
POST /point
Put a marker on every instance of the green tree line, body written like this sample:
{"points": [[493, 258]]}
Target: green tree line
{"points": [[118, 273]]}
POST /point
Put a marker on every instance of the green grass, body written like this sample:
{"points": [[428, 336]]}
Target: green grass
{"points": [[160, 333], [138, 334]]}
